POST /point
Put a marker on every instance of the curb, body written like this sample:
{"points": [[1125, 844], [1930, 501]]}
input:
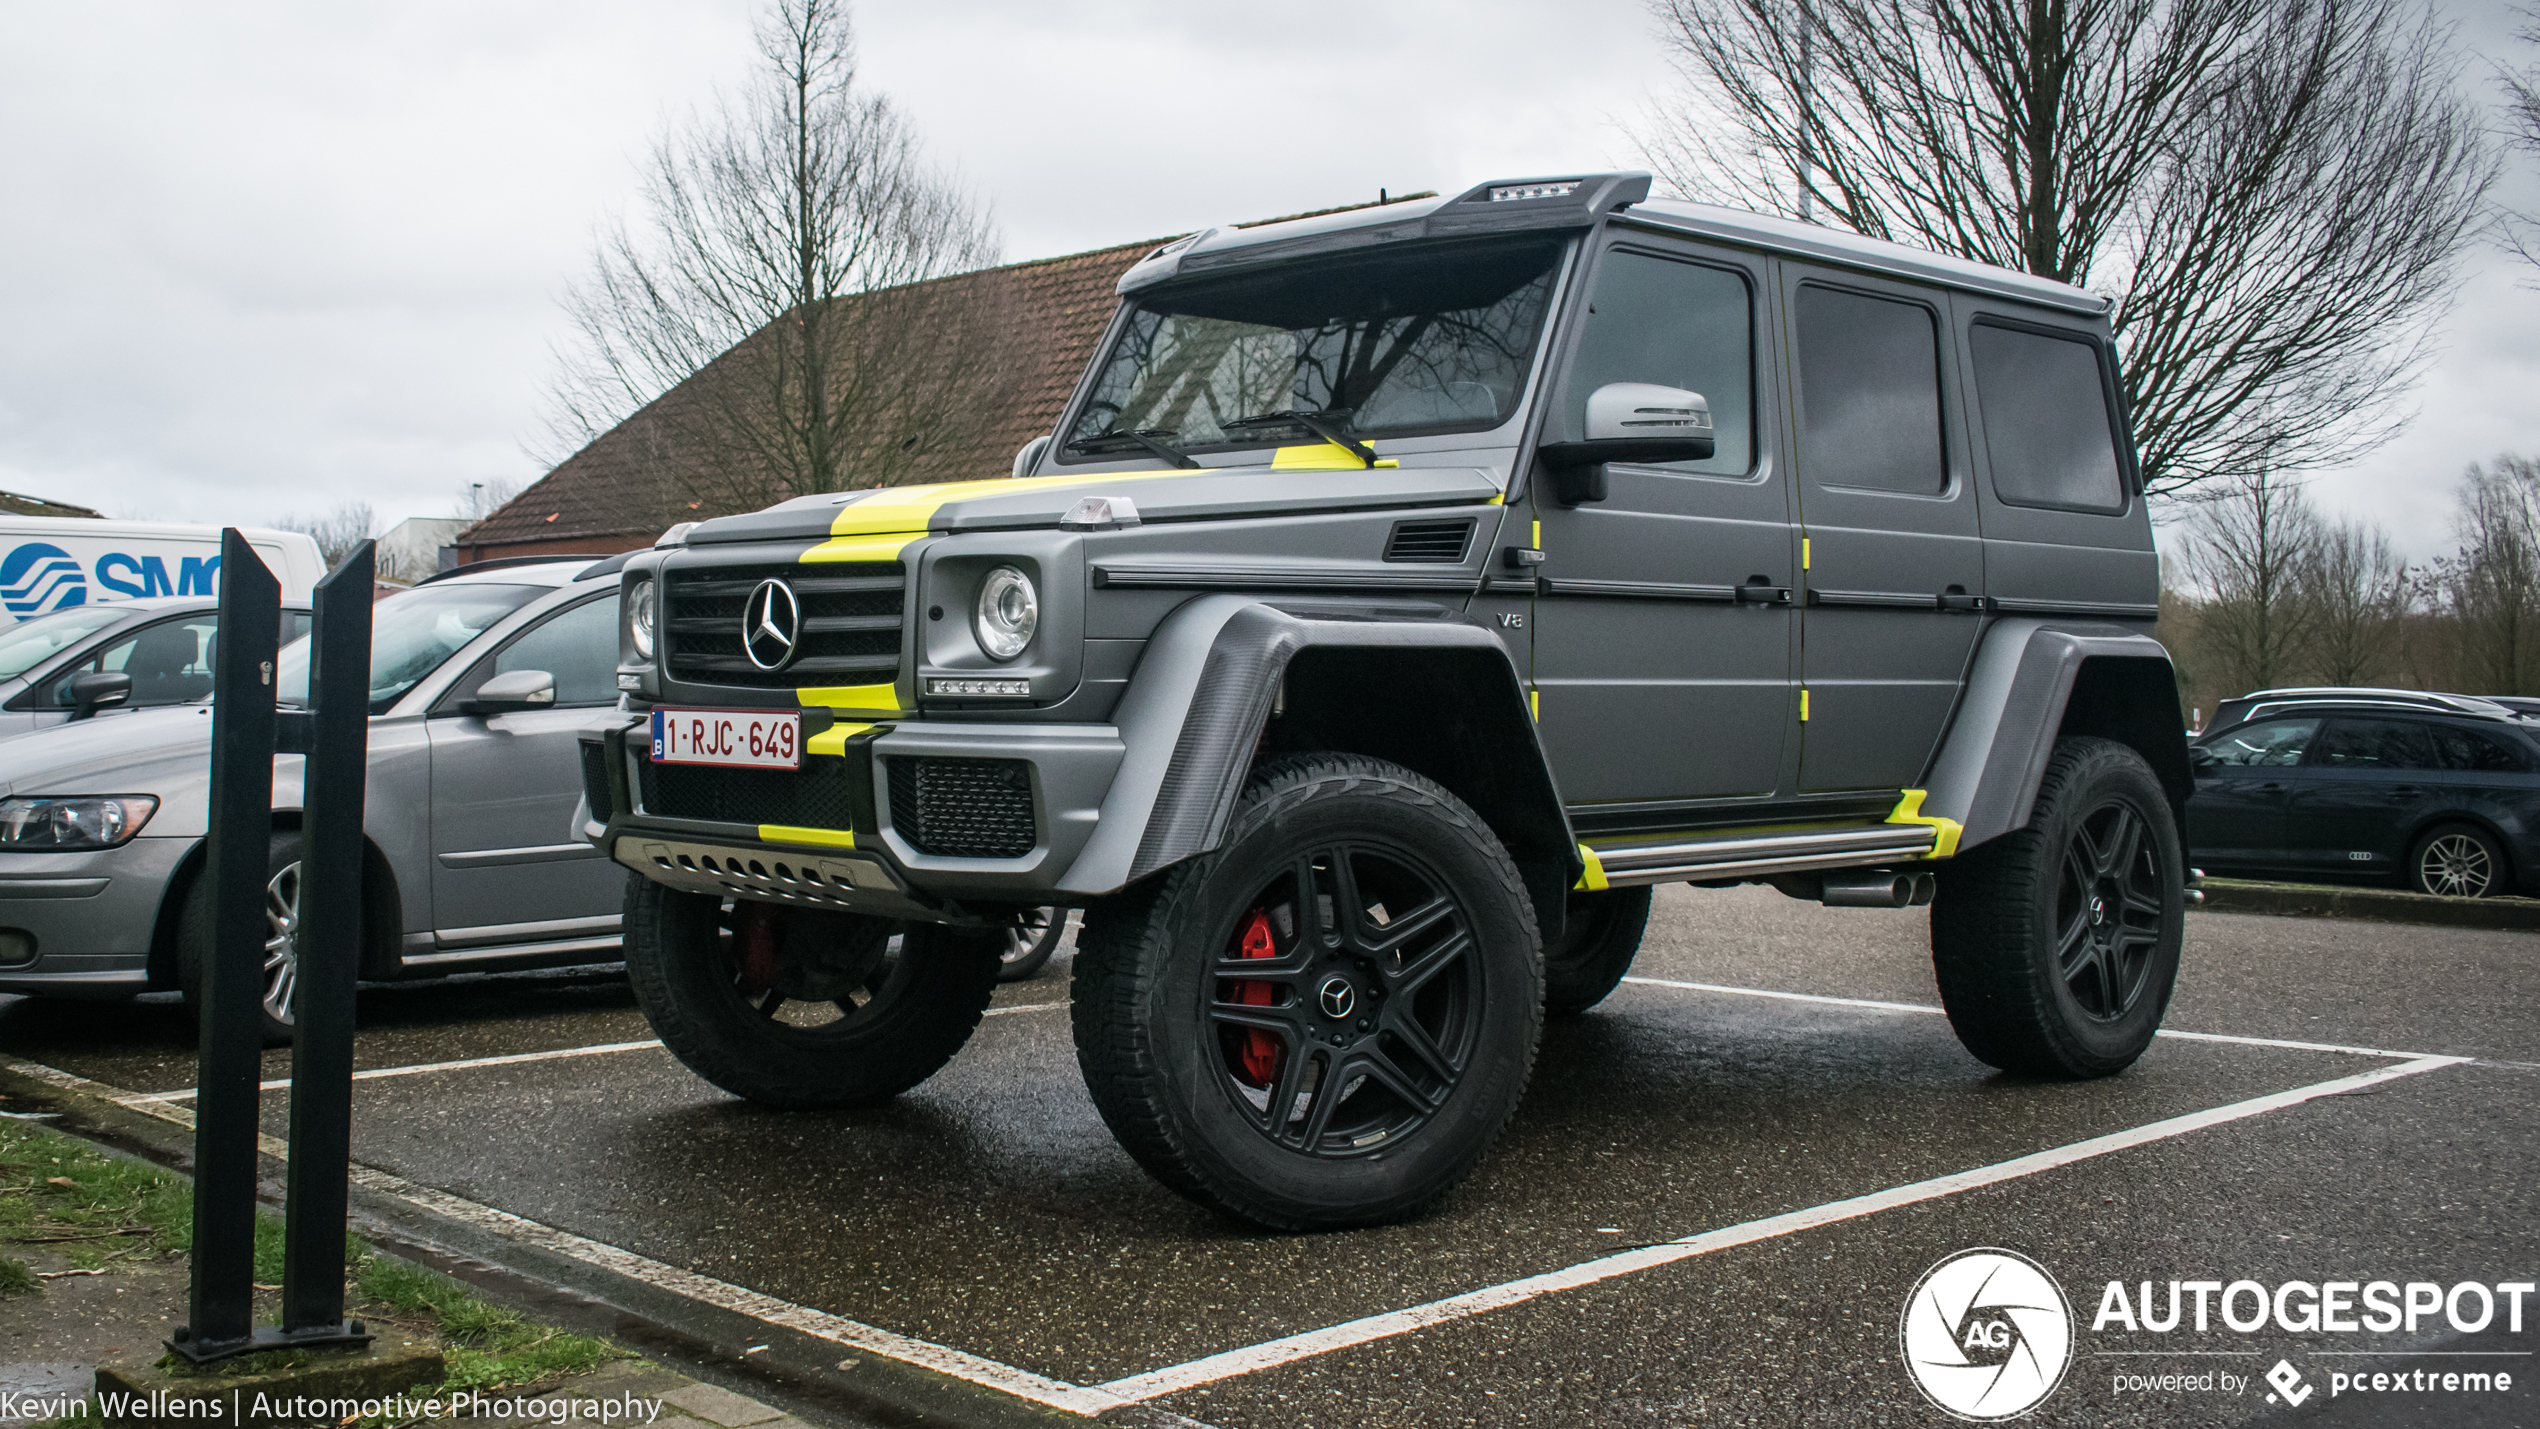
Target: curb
{"points": [[2372, 905]]}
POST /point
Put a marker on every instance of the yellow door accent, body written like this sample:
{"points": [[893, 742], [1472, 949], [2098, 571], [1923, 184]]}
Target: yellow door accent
{"points": [[1803, 706], [1537, 542], [1803, 553], [1909, 810], [816, 838], [1592, 881], [1534, 705]]}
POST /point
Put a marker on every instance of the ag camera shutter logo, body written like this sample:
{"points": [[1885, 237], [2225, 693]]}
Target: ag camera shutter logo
{"points": [[38, 579], [1987, 1334]]}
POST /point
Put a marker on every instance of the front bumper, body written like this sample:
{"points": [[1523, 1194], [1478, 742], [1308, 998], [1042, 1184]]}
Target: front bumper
{"points": [[91, 914], [873, 864]]}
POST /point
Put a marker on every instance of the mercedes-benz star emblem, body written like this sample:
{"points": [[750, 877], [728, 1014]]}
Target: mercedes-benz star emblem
{"points": [[771, 624], [1337, 996]]}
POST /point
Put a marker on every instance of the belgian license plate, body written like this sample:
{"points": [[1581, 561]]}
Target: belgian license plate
{"points": [[749, 739]]}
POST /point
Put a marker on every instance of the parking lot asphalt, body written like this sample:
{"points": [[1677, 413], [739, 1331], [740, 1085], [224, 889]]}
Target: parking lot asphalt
{"points": [[1743, 1085]]}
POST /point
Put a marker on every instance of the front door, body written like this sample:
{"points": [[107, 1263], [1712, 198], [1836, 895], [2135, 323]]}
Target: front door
{"points": [[1662, 618], [2244, 784], [1895, 561], [508, 864]]}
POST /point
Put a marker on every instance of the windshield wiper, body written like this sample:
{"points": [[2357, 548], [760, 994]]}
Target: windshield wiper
{"points": [[1150, 438], [1327, 425]]}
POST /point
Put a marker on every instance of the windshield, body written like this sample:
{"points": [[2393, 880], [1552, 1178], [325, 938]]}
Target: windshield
{"points": [[28, 642], [1416, 340], [411, 633]]}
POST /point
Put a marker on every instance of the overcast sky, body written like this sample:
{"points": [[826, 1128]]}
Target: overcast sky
{"points": [[268, 257]]}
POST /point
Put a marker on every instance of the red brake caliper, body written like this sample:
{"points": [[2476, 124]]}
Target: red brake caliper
{"points": [[756, 935], [1259, 1052]]}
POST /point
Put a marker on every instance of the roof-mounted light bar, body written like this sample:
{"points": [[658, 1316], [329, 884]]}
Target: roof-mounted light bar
{"points": [[1511, 193]]}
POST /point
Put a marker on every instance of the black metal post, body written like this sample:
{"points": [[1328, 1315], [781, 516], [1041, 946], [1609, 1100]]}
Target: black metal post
{"points": [[220, 1307], [330, 957]]}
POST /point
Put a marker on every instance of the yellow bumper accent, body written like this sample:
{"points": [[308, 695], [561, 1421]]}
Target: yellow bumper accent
{"points": [[815, 838], [833, 740], [875, 699], [1945, 831], [1592, 881]]}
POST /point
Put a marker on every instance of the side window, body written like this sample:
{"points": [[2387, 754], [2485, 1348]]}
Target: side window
{"points": [[170, 663], [2268, 744], [2376, 744], [2479, 752], [1869, 392], [2048, 433], [1654, 319], [578, 647]]}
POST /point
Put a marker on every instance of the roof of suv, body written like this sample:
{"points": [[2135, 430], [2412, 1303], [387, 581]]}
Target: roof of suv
{"points": [[1575, 201]]}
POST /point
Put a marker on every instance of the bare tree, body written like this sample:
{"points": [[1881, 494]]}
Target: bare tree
{"points": [[2522, 125], [2274, 193], [2359, 594], [787, 256], [2254, 541], [2493, 584], [337, 532], [480, 499]]}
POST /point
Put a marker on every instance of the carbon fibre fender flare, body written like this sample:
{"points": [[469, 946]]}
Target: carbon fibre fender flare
{"points": [[1203, 692], [2036, 681]]}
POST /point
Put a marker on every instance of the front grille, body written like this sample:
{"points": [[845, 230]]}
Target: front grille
{"points": [[850, 630], [817, 797], [1441, 541], [595, 780], [964, 808]]}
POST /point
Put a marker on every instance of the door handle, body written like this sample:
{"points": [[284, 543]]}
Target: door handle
{"points": [[1759, 590], [1956, 599]]}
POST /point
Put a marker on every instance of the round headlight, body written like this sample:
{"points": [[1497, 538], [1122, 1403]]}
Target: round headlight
{"points": [[1009, 609], [639, 618]]}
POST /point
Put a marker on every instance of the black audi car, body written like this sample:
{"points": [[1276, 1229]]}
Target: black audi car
{"points": [[2439, 792]]}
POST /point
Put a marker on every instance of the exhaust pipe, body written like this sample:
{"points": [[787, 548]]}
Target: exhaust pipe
{"points": [[1876, 890]]}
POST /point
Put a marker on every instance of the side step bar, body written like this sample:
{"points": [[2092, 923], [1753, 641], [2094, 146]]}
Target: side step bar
{"points": [[1753, 856]]}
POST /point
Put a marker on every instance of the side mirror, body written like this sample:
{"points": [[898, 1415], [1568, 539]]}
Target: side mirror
{"points": [[1631, 422], [2200, 759], [95, 690], [1030, 455], [513, 690]]}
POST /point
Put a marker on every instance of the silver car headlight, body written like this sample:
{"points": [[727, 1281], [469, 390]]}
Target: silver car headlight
{"points": [[32, 825], [1009, 611], [639, 618]]}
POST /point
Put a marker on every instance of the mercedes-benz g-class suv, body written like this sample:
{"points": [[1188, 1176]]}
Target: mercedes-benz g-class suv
{"points": [[1402, 593]]}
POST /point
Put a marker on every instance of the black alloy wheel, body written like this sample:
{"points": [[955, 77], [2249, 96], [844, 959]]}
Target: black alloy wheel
{"points": [[1343, 1000], [2109, 911]]}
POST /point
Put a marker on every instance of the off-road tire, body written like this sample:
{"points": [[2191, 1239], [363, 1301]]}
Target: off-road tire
{"points": [[2477, 868], [1148, 963], [194, 939], [1600, 935], [681, 969], [1999, 935]]}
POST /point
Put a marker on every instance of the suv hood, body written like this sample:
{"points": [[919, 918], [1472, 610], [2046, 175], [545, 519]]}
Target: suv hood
{"points": [[1300, 479]]}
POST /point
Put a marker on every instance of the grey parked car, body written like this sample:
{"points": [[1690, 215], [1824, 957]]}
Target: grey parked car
{"points": [[103, 659], [479, 681]]}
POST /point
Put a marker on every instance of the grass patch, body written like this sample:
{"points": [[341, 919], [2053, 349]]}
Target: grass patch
{"points": [[63, 1194]]}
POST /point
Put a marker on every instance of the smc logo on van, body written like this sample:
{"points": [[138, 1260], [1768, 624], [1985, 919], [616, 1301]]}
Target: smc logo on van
{"points": [[38, 578]]}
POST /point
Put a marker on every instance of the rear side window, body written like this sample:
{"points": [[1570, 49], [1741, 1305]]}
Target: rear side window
{"points": [[1869, 392], [1678, 325], [2048, 432], [2476, 751], [2269, 744], [2377, 744]]}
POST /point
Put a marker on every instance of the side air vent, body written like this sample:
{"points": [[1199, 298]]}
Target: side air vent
{"points": [[1443, 542]]}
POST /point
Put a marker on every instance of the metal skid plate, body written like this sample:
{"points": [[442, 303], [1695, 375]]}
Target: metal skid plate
{"points": [[807, 879]]}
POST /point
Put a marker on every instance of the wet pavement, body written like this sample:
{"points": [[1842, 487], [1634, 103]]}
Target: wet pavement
{"points": [[989, 1210]]}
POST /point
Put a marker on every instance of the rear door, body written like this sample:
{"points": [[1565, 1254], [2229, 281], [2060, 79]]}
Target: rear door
{"points": [[508, 865], [2244, 786], [1663, 618], [1895, 564], [2369, 779]]}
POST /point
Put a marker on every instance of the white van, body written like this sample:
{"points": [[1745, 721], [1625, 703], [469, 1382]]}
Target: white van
{"points": [[50, 563]]}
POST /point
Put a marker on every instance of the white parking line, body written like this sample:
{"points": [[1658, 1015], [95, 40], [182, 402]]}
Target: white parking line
{"points": [[1942, 1011], [1173, 1379]]}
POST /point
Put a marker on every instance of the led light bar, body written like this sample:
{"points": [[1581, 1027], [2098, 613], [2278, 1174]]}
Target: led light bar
{"points": [[941, 685], [1507, 193]]}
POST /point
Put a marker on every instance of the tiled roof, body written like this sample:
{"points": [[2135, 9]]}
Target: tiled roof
{"points": [[1052, 313]]}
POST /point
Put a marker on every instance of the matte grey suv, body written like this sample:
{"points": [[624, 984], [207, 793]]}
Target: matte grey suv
{"points": [[1403, 592], [479, 684]]}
